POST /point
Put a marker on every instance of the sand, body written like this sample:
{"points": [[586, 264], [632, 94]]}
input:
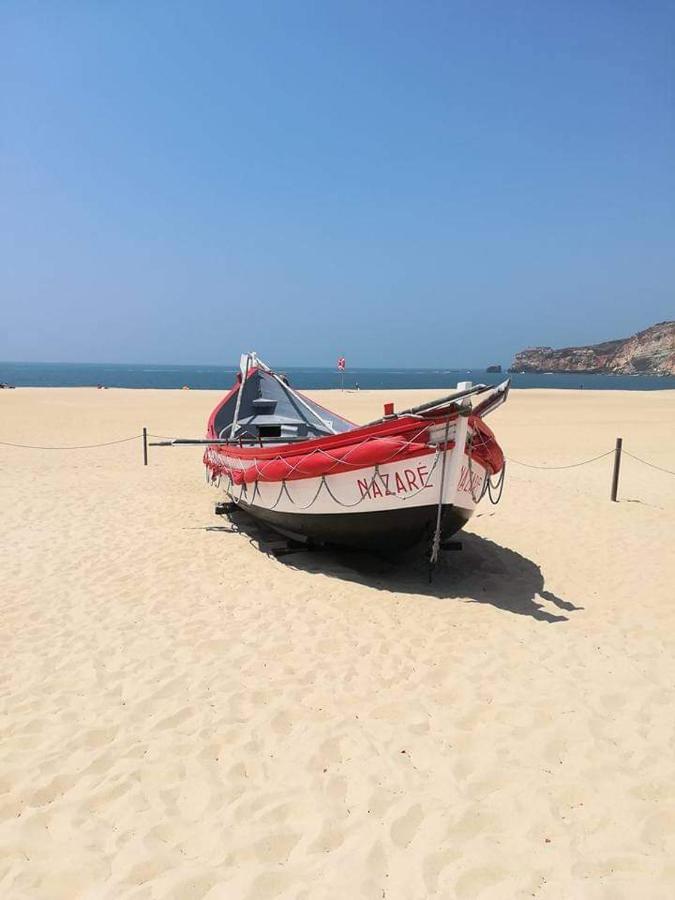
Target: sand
{"points": [[185, 717]]}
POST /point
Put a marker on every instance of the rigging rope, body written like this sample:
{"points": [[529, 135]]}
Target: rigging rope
{"points": [[488, 486], [323, 484], [497, 486], [436, 541], [215, 465]]}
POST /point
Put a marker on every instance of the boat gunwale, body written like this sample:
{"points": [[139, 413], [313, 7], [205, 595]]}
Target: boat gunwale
{"points": [[393, 428]]}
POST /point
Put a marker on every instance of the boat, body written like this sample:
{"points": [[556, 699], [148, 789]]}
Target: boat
{"points": [[312, 475]]}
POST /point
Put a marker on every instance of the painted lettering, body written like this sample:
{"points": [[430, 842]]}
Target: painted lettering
{"points": [[469, 482], [364, 487], [388, 484], [385, 481]]}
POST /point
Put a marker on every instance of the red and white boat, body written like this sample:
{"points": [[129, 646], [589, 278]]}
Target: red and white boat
{"points": [[316, 477]]}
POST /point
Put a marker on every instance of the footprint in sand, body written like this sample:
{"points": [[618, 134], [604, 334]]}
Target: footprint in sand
{"points": [[269, 884], [474, 881], [275, 848], [176, 719], [403, 830], [282, 723], [98, 737], [434, 864], [49, 792]]}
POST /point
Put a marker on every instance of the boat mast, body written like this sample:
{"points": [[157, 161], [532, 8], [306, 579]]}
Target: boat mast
{"points": [[244, 366]]}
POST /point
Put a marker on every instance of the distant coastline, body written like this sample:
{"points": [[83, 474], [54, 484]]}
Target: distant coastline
{"points": [[163, 377]]}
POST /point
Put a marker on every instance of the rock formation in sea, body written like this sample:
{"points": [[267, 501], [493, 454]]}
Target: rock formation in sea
{"points": [[649, 352], [495, 368]]}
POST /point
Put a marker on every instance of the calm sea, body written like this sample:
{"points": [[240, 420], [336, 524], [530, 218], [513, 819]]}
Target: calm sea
{"points": [[221, 377]]}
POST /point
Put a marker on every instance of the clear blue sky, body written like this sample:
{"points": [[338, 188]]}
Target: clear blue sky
{"points": [[405, 183]]}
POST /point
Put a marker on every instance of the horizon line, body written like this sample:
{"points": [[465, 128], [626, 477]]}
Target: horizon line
{"points": [[235, 366]]}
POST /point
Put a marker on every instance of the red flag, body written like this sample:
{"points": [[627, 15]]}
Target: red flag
{"points": [[342, 364]]}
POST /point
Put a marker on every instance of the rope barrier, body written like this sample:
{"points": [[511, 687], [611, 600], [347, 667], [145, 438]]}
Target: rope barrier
{"points": [[135, 437], [585, 462], [576, 465], [497, 485], [651, 465]]}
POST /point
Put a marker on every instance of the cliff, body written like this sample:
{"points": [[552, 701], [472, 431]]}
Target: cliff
{"points": [[649, 352]]}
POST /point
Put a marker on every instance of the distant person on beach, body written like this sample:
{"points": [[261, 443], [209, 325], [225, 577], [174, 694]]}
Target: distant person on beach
{"points": [[357, 386]]}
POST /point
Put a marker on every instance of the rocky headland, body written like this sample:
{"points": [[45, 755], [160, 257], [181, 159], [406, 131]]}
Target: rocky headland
{"points": [[649, 352]]}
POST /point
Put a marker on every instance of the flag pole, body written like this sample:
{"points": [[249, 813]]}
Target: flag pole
{"points": [[341, 366]]}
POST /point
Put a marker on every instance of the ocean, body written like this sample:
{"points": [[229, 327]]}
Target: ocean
{"points": [[222, 377]]}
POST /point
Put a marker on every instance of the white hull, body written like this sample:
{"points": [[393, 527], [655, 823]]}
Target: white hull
{"points": [[408, 483]]}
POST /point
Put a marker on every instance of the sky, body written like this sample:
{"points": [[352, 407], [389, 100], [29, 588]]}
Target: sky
{"points": [[405, 184]]}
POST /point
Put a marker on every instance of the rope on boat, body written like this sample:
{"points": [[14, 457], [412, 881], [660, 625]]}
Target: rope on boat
{"points": [[436, 542], [498, 486], [292, 468], [323, 485], [490, 488]]}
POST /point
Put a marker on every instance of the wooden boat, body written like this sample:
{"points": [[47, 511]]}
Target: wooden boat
{"points": [[314, 476]]}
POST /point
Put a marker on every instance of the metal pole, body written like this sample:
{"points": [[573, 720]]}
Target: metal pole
{"points": [[450, 398], [436, 542], [145, 446], [617, 466]]}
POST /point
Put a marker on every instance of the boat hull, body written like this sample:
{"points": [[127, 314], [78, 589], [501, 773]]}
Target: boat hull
{"points": [[388, 507], [385, 530], [315, 476]]}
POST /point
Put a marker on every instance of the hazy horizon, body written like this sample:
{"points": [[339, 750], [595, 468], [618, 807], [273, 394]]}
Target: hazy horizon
{"points": [[224, 364]]}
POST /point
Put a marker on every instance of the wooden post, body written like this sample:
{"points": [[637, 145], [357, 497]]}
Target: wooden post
{"points": [[617, 466], [145, 446]]}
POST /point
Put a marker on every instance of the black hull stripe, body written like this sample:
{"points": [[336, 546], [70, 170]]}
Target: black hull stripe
{"points": [[388, 529]]}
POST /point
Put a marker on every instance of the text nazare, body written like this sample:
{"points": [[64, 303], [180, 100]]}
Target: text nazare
{"points": [[391, 484]]}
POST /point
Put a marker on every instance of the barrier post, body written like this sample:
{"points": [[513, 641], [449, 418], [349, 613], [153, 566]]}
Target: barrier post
{"points": [[617, 466], [145, 446]]}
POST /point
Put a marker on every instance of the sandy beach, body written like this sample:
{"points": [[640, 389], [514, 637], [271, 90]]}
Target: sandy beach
{"points": [[185, 717]]}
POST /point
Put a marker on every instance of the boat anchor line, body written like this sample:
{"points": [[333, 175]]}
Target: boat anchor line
{"points": [[323, 483], [436, 541]]}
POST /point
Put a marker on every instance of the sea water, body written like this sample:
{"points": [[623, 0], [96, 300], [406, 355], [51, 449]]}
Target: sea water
{"points": [[222, 377]]}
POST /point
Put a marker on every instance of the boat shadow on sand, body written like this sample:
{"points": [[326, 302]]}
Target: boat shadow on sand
{"points": [[481, 572]]}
